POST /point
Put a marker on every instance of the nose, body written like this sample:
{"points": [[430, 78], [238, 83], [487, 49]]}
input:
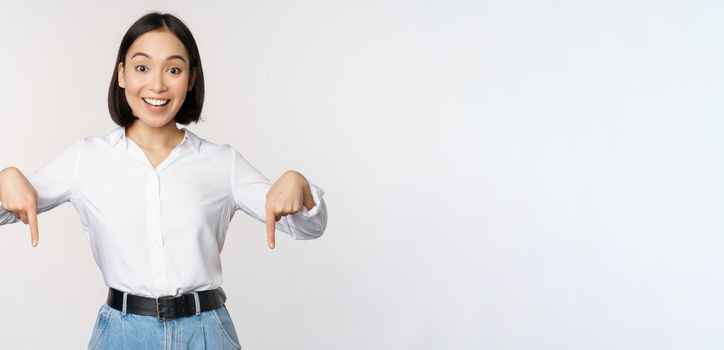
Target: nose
{"points": [[157, 83]]}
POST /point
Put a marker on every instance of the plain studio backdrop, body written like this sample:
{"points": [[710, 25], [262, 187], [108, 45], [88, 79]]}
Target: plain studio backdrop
{"points": [[498, 174]]}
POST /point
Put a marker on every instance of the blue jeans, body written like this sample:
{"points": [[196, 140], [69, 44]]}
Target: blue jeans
{"points": [[212, 329]]}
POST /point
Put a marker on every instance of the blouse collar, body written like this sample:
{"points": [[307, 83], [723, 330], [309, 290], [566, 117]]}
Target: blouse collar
{"points": [[119, 134]]}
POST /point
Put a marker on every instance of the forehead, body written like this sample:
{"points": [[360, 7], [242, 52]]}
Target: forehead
{"points": [[158, 44]]}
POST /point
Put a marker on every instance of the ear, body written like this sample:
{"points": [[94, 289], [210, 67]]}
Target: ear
{"points": [[192, 80], [121, 76]]}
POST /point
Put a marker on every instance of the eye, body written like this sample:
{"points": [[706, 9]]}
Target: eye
{"points": [[138, 68], [174, 70]]}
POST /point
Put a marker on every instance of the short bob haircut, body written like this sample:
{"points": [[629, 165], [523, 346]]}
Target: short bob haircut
{"points": [[190, 111]]}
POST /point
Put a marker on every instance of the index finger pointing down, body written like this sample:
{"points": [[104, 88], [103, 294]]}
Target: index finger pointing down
{"points": [[33, 222], [270, 227]]}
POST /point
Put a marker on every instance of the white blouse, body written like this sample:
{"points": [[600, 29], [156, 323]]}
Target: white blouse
{"points": [[159, 231]]}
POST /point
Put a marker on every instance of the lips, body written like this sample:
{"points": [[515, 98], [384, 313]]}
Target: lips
{"points": [[155, 102]]}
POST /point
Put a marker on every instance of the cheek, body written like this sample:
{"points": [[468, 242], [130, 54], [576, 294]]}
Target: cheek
{"points": [[179, 86], [130, 95], [133, 85]]}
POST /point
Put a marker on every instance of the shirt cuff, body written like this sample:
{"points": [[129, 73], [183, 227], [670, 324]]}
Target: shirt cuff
{"points": [[317, 193]]}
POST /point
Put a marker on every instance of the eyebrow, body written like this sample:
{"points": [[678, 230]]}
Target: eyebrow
{"points": [[167, 58]]}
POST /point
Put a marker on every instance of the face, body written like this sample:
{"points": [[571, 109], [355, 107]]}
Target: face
{"points": [[156, 77]]}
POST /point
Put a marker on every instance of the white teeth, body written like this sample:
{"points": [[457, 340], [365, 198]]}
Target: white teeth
{"points": [[155, 102]]}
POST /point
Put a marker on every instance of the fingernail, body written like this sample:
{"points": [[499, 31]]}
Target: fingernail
{"points": [[35, 243]]}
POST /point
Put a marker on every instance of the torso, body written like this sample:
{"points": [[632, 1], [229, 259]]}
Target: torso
{"points": [[156, 157]]}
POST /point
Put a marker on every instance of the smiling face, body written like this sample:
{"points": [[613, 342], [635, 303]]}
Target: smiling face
{"points": [[156, 77]]}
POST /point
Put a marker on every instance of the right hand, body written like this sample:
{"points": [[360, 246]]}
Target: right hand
{"points": [[20, 198]]}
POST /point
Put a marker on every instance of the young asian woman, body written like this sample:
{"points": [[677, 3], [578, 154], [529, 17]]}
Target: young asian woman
{"points": [[155, 201]]}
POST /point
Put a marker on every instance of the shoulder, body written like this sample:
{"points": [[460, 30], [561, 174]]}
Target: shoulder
{"points": [[108, 138], [204, 146]]}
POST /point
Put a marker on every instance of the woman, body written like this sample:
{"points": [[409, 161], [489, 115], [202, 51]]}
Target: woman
{"points": [[155, 201]]}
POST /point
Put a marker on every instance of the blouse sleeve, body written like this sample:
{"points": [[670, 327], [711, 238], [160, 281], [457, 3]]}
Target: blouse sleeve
{"points": [[249, 188], [53, 181]]}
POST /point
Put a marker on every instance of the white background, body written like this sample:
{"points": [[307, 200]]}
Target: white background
{"points": [[499, 175]]}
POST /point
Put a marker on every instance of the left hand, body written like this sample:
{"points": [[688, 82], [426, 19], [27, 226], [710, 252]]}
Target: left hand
{"points": [[286, 196]]}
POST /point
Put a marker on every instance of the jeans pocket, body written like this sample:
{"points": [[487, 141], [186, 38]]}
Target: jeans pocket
{"points": [[100, 326], [222, 317]]}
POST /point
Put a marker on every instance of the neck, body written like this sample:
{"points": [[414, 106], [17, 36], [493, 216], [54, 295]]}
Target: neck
{"points": [[167, 136]]}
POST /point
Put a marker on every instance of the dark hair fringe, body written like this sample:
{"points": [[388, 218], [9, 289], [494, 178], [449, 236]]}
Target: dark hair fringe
{"points": [[190, 111]]}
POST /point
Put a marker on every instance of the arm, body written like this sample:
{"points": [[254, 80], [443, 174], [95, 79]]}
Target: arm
{"points": [[53, 182], [250, 189]]}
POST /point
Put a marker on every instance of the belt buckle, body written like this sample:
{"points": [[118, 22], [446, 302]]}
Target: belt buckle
{"points": [[158, 311]]}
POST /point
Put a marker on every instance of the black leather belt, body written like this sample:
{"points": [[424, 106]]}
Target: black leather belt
{"points": [[167, 307]]}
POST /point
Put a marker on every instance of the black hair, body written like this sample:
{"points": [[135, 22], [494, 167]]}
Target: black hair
{"points": [[190, 111]]}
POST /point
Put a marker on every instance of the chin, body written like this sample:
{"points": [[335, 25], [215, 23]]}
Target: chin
{"points": [[155, 122]]}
